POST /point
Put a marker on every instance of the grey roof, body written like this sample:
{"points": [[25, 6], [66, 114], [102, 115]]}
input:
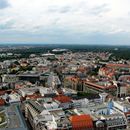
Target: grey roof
{"points": [[36, 106]]}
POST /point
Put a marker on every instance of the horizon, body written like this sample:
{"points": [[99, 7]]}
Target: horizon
{"points": [[62, 44]]}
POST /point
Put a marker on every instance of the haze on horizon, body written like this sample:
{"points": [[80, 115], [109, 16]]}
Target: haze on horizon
{"points": [[65, 21]]}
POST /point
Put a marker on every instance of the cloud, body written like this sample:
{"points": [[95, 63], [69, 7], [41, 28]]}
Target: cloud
{"points": [[3, 4], [55, 9], [100, 9], [69, 18]]}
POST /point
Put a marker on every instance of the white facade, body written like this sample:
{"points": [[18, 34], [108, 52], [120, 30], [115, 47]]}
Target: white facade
{"points": [[122, 106], [14, 98], [10, 78], [43, 91], [28, 91]]}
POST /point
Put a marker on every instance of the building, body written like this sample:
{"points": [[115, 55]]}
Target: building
{"points": [[104, 116], [112, 70], [120, 67], [115, 121], [31, 77], [49, 55], [107, 72], [14, 97], [47, 92], [100, 87], [46, 114], [13, 118], [28, 91], [122, 89], [63, 101], [9, 78], [53, 81], [68, 92], [2, 102], [74, 83], [81, 122], [123, 107]]}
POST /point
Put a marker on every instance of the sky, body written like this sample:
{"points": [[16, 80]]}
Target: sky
{"points": [[65, 21]]}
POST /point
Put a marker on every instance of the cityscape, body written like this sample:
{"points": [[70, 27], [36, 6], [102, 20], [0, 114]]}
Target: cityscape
{"points": [[64, 64], [63, 89]]}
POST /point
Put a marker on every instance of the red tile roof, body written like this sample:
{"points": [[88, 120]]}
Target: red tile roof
{"points": [[81, 69], [2, 102], [118, 65], [2, 92], [127, 114], [34, 96], [100, 86], [95, 85], [81, 122], [62, 99]]}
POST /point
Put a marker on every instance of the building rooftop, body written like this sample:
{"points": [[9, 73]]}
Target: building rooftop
{"points": [[14, 117], [81, 121], [36, 106], [62, 98]]}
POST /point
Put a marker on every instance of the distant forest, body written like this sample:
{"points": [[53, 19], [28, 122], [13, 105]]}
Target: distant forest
{"points": [[120, 52]]}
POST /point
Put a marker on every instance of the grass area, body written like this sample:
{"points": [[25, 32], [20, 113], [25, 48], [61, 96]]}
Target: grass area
{"points": [[3, 126], [2, 116], [2, 119]]}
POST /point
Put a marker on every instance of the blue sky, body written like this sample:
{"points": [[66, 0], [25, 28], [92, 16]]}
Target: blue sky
{"points": [[65, 21]]}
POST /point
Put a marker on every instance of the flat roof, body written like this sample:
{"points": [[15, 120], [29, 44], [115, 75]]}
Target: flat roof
{"points": [[15, 118]]}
